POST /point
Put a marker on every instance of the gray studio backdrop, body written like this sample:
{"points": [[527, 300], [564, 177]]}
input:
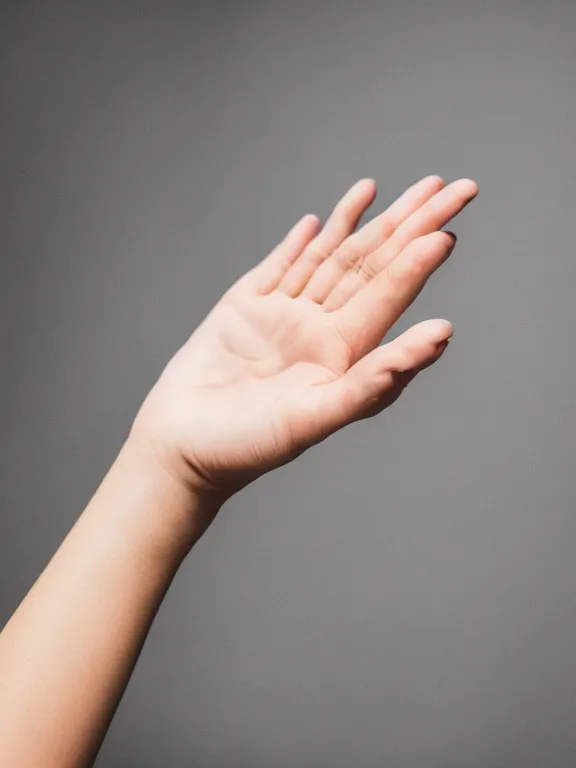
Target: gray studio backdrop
{"points": [[403, 595]]}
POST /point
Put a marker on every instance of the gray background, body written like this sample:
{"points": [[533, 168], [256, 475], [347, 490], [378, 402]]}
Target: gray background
{"points": [[404, 594]]}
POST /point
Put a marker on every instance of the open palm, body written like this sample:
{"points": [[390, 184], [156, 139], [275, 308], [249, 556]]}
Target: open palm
{"points": [[291, 352]]}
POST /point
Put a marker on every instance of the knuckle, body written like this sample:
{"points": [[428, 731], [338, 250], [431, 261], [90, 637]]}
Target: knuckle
{"points": [[416, 267], [347, 257], [395, 277], [345, 210], [403, 360], [411, 268], [316, 254], [366, 268]]}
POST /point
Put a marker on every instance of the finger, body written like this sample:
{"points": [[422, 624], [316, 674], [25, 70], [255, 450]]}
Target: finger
{"points": [[433, 215], [340, 224], [368, 238], [272, 269], [370, 313], [377, 380], [400, 380]]}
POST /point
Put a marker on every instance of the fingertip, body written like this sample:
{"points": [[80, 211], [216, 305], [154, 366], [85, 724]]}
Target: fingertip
{"points": [[440, 330], [437, 239], [469, 187], [438, 352], [434, 179], [303, 231], [310, 220], [368, 185]]}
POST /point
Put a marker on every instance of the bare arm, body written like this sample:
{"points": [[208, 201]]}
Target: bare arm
{"points": [[288, 356], [68, 651]]}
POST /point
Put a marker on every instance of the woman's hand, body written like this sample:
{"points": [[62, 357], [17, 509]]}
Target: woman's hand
{"points": [[291, 352], [289, 355]]}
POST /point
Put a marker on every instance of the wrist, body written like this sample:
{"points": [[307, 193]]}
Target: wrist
{"points": [[147, 503]]}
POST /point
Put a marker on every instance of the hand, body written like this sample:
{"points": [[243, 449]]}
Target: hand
{"points": [[291, 353]]}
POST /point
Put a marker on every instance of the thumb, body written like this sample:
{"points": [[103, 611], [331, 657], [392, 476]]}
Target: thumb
{"points": [[377, 380]]}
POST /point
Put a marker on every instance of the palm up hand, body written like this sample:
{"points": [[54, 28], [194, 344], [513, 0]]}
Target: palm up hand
{"points": [[291, 353]]}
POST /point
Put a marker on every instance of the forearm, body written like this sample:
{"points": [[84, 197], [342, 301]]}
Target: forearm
{"points": [[67, 653]]}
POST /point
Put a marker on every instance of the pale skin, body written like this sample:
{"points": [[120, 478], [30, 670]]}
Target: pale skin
{"points": [[288, 356]]}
